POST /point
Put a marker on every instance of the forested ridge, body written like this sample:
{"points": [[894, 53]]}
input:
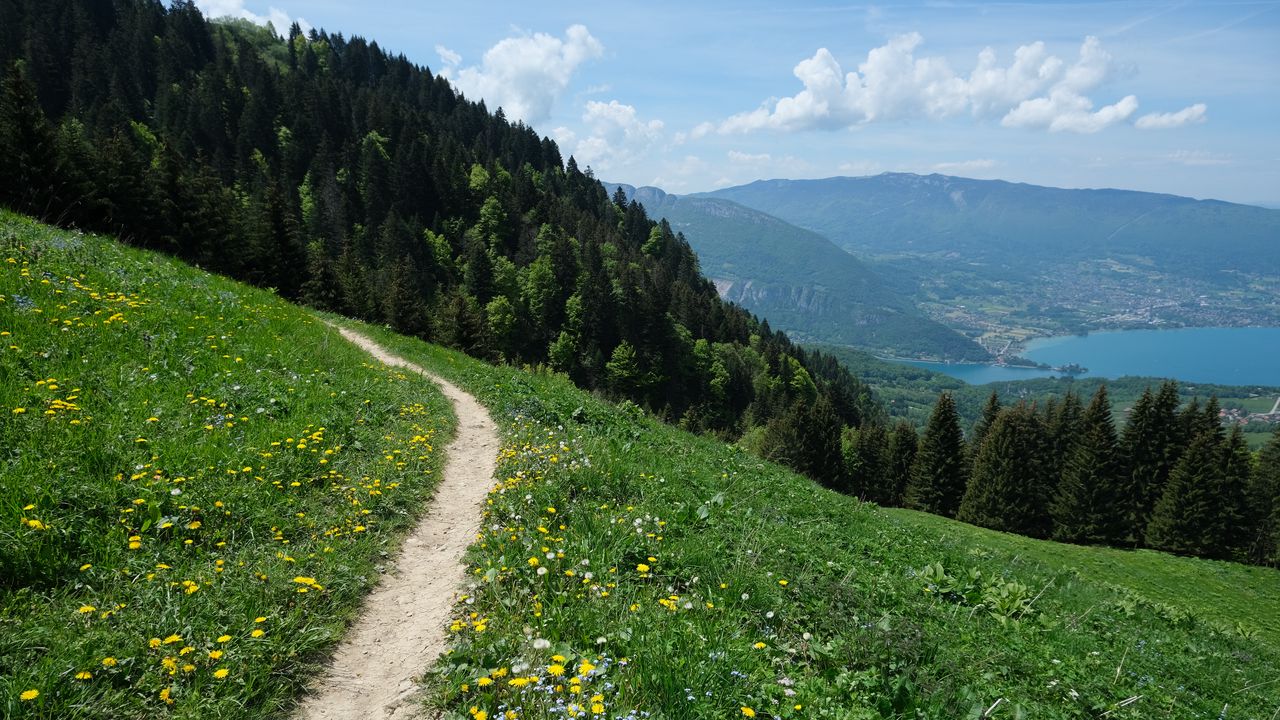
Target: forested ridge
{"points": [[353, 181]]}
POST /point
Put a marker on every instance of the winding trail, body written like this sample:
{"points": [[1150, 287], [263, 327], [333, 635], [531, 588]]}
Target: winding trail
{"points": [[400, 630]]}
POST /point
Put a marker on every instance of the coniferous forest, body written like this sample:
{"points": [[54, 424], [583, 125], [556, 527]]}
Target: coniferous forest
{"points": [[353, 181]]}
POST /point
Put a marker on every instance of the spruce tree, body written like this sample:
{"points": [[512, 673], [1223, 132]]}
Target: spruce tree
{"points": [[1182, 521], [1088, 506], [903, 442], [1007, 490], [1150, 444], [990, 411], [1263, 500], [806, 438], [1232, 523], [866, 462], [939, 473]]}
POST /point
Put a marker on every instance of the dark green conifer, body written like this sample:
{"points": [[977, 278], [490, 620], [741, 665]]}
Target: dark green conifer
{"points": [[939, 473], [1007, 490], [866, 463], [903, 442], [1182, 521], [1089, 506], [1150, 444], [1263, 500]]}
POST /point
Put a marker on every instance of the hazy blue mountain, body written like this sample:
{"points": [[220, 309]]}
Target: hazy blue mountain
{"points": [[800, 281], [1051, 259]]}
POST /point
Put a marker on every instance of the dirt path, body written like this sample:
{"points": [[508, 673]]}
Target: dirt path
{"points": [[400, 630]]}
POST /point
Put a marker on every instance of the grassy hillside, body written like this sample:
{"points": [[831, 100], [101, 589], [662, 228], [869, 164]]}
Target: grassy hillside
{"points": [[631, 568], [800, 281], [150, 542], [198, 482]]}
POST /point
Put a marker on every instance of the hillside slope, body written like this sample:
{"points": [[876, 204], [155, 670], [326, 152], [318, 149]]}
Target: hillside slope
{"points": [[798, 280], [198, 483], [994, 255], [642, 569]]}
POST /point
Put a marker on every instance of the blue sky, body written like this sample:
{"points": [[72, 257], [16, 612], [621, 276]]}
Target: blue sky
{"points": [[1177, 97]]}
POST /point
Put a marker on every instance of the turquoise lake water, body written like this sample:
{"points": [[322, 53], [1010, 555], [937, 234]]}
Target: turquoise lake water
{"points": [[1227, 356]]}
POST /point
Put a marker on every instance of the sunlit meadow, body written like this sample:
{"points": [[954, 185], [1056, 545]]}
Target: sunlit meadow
{"points": [[198, 482]]}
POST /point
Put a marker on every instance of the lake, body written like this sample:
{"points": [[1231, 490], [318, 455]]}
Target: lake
{"points": [[1226, 356]]}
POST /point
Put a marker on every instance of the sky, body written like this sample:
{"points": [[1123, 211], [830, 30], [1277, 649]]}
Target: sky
{"points": [[1173, 97]]}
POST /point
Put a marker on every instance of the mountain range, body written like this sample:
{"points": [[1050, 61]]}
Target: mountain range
{"points": [[994, 256], [799, 280]]}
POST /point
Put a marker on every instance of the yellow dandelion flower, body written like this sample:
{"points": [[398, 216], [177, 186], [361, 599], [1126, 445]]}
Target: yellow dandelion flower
{"points": [[173, 639], [759, 646], [29, 695], [85, 609], [84, 675], [259, 619], [153, 643], [748, 712], [109, 662], [484, 681], [221, 673], [556, 670], [642, 568], [257, 632], [215, 654], [224, 638], [165, 696]]}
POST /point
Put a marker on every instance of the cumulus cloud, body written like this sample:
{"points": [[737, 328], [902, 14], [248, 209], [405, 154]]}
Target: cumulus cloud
{"points": [[1037, 90], [525, 75], [278, 19], [616, 135], [1162, 121]]}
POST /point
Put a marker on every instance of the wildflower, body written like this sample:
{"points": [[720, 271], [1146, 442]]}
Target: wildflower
{"points": [[85, 609], [85, 566], [783, 583], [224, 638], [109, 662], [759, 646], [556, 670], [533, 562], [257, 632], [84, 675], [642, 568], [164, 695], [221, 673], [748, 712], [153, 643], [172, 639], [484, 681], [28, 695]]}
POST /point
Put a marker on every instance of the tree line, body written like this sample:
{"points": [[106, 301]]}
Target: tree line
{"points": [[354, 181], [1171, 479]]}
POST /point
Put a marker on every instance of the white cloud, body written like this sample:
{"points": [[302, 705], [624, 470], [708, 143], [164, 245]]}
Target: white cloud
{"points": [[1163, 121], [965, 166], [278, 19], [748, 158], [1037, 90], [526, 75], [1065, 110], [447, 56], [617, 135]]}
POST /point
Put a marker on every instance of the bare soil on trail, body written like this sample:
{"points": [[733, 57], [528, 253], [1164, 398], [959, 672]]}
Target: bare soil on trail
{"points": [[400, 629]]}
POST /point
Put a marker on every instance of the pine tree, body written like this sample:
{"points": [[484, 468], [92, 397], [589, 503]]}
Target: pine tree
{"points": [[866, 462], [806, 438], [990, 411], [1182, 521], [1232, 524], [939, 473], [1089, 505], [1007, 490], [1151, 443], [903, 442], [1263, 499]]}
